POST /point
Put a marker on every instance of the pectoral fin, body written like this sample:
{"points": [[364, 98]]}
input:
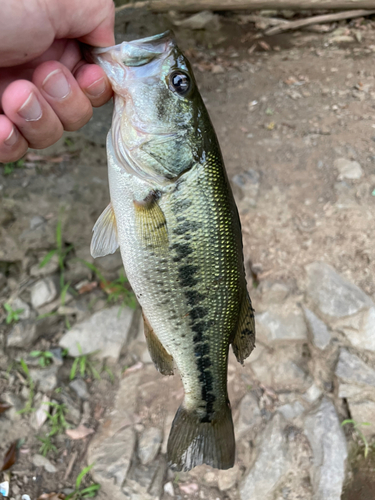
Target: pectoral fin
{"points": [[104, 240], [150, 222], [162, 360], [244, 338]]}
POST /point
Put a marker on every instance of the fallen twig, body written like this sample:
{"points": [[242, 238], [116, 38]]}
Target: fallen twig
{"points": [[326, 18], [70, 465]]}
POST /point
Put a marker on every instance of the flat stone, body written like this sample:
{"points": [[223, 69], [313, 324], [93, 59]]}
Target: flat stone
{"points": [[281, 324], [249, 415], [105, 331], [79, 386], [46, 378], [23, 334], [273, 293], [352, 370], [43, 292], [40, 461], [282, 368], [112, 457], [19, 304], [228, 478], [51, 267], [327, 440], [271, 464], [291, 410], [320, 335], [348, 169], [359, 329], [312, 394], [332, 295], [363, 412], [149, 445]]}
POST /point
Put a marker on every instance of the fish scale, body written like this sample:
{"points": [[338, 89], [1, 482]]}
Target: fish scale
{"points": [[180, 240]]}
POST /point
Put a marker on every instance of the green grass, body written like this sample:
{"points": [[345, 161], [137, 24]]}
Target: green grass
{"points": [[116, 290], [45, 357], [84, 366], [12, 314], [29, 405], [9, 168], [87, 492], [357, 427], [47, 445], [57, 419]]}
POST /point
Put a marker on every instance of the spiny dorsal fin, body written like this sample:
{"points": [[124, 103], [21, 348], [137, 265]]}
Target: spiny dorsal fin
{"points": [[150, 221], [104, 240], [162, 360], [244, 338]]}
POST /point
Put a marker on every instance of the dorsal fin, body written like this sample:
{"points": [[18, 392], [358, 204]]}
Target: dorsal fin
{"points": [[104, 240]]}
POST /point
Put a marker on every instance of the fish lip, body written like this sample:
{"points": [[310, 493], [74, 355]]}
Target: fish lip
{"points": [[154, 45]]}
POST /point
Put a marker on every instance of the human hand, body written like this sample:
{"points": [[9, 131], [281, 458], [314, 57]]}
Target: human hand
{"points": [[45, 84]]}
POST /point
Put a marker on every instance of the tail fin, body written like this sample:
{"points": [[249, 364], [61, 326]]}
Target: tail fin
{"points": [[192, 442]]}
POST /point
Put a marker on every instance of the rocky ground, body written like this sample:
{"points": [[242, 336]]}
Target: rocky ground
{"points": [[295, 118]]}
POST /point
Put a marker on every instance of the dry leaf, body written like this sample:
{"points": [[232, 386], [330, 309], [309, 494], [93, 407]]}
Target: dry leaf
{"points": [[87, 287], [4, 407], [79, 433], [10, 457]]}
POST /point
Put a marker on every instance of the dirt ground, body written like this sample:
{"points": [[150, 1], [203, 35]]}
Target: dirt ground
{"points": [[285, 107]]}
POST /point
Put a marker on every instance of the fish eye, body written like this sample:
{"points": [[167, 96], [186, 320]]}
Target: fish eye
{"points": [[179, 82]]}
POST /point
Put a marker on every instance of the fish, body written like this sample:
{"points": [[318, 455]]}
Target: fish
{"points": [[173, 216]]}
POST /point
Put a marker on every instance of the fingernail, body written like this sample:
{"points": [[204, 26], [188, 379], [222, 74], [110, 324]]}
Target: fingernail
{"points": [[31, 110], [97, 88], [56, 85], [12, 138]]}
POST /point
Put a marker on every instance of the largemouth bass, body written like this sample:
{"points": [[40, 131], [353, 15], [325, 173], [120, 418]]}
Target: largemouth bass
{"points": [[173, 215]]}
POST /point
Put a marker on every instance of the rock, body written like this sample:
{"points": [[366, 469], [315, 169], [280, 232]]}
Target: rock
{"points": [[51, 267], [111, 457], [281, 324], [149, 445], [291, 411], [312, 394], [273, 293], [22, 335], [38, 417], [282, 368], [145, 482], [19, 304], [46, 378], [271, 464], [348, 169], [73, 413], [36, 221], [168, 489], [228, 478], [249, 415], [332, 295], [105, 331], [320, 335], [79, 386], [16, 406], [110, 262], [40, 461], [246, 186], [201, 20], [352, 370], [359, 329], [362, 411], [43, 292], [327, 440]]}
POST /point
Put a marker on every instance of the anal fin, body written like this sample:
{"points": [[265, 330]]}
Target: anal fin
{"points": [[104, 240], [244, 339], [161, 359]]}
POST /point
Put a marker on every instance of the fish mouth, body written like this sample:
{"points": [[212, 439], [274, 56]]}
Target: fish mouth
{"points": [[134, 53]]}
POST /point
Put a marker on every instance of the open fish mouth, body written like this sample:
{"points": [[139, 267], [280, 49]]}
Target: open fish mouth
{"points": [[134, 53]]}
